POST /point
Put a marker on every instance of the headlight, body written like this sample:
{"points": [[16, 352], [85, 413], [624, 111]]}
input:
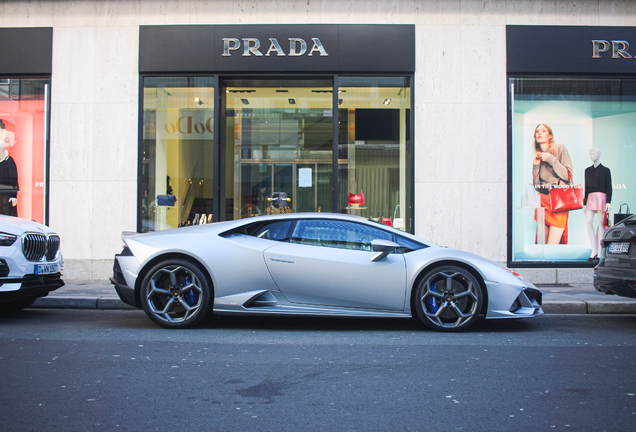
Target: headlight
{"points": [[514, 273], [7, 239]]}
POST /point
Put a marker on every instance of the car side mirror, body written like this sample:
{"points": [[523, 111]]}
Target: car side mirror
{"points": [[383, 248]]}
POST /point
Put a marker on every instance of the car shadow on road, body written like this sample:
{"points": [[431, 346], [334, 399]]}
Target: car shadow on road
{"points": [[356, 324]]}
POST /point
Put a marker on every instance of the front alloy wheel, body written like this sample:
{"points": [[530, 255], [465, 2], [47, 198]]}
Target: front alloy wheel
{"points": [[176, 294], [448, 298]]}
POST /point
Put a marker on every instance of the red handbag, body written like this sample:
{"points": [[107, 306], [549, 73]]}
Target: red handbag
{"points": [[355, 200], [387, 220], [566, 198]]}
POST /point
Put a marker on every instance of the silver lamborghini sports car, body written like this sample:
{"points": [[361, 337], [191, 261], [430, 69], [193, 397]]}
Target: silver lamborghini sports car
{"points": [[313, 264]]}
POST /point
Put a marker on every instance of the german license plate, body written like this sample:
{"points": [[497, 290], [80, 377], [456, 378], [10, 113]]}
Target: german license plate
{"points": [[45, 269], [619, 247]]}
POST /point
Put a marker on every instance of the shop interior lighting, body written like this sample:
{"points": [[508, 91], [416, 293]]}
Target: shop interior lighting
{"points": [[282, 91], [245, 101], [387, 101], [199, 101], [292, 101], [240, 91]]}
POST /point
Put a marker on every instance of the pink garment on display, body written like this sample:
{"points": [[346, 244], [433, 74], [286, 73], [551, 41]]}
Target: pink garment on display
{"points": [[596, 201]]}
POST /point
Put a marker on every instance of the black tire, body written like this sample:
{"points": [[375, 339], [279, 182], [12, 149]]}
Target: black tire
{"points": [[16, 305], [176, 294], [448, 298]]}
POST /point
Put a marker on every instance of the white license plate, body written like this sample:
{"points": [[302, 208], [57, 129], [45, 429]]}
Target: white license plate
{"points": [[619, 247], [45, 269]]}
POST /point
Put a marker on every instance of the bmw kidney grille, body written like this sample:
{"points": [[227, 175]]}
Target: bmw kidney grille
{"points": [[36, 246]]}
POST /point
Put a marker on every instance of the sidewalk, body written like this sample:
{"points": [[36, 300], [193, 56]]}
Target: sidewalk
{"points": [[557, 299]]}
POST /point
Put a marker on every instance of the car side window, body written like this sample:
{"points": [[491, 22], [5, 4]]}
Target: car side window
{"points": [[278, 230], [337, 234], [407, 245]]}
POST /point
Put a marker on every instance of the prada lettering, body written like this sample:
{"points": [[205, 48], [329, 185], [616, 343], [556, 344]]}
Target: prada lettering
{"points": [[252, 47], [618, 48]]}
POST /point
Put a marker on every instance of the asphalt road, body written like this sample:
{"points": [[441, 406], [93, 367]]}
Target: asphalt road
{"points": [[76, 370]]}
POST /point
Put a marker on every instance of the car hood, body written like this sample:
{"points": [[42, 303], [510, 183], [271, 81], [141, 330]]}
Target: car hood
{"points": [[18, 226]]}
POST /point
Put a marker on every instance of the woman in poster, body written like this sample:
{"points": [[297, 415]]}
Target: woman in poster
{"points": [[8, 177], [551, 166]]}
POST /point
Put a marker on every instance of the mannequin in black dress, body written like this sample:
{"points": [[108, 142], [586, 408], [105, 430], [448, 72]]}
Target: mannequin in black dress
{"points": [[8, 177]]}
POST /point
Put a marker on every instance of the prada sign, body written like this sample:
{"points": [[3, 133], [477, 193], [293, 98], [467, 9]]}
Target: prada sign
{"points": [[328, 48], [566, 49], [619, 48], [251, 46]]}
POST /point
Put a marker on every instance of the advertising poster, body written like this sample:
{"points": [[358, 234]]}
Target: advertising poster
{"points": [[579, 129], [23, 132]]}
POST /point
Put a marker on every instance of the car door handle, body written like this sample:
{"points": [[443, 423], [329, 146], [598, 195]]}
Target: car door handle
{"points": [[280, 258]]}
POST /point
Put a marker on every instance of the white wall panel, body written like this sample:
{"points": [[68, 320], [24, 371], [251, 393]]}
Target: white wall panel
{"points": [[72, 132], [162, 12], [438, 147], [76, 13], [35, 13], [116, 65]]}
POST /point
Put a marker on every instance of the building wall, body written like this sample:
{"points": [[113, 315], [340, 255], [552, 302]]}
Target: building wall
{"points": [[459, 90]]}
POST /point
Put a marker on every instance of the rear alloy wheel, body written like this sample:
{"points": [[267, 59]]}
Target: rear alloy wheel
{"points": [[176, 294], [448, 298]]}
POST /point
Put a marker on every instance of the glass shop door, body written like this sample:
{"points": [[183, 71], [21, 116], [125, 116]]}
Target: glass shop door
{"points": [[278, 146]]}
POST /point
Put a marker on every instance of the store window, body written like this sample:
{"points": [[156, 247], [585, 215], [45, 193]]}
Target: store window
{"points": [[275, 149], [374, 174], [178, 146], [23, 145], [562, 128]]}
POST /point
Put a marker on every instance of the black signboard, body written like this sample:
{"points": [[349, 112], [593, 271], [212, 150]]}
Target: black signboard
{"points": [[277, 48], [571, 49], [26, 51]]}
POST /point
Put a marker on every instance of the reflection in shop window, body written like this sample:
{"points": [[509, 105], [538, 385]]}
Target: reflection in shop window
{"points": [[178, 139]]}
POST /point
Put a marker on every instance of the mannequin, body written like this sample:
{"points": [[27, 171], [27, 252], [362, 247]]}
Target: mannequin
{"points": [[598, 195], [8, 177]]}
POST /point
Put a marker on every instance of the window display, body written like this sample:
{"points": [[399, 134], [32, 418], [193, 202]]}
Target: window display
{"points": [[562, 194], [373, 168], [23, 139]]}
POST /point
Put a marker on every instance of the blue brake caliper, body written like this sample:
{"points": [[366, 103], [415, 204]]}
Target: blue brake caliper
{"points": [[431, 301], [191, 296]]}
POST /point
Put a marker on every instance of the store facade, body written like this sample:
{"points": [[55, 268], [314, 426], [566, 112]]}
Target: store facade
{"points": [[160, 113], [583, 93], [270, 118]]}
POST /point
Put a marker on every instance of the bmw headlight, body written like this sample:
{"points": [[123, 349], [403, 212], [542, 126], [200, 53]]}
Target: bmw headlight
{"points": [[7, 239]]}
